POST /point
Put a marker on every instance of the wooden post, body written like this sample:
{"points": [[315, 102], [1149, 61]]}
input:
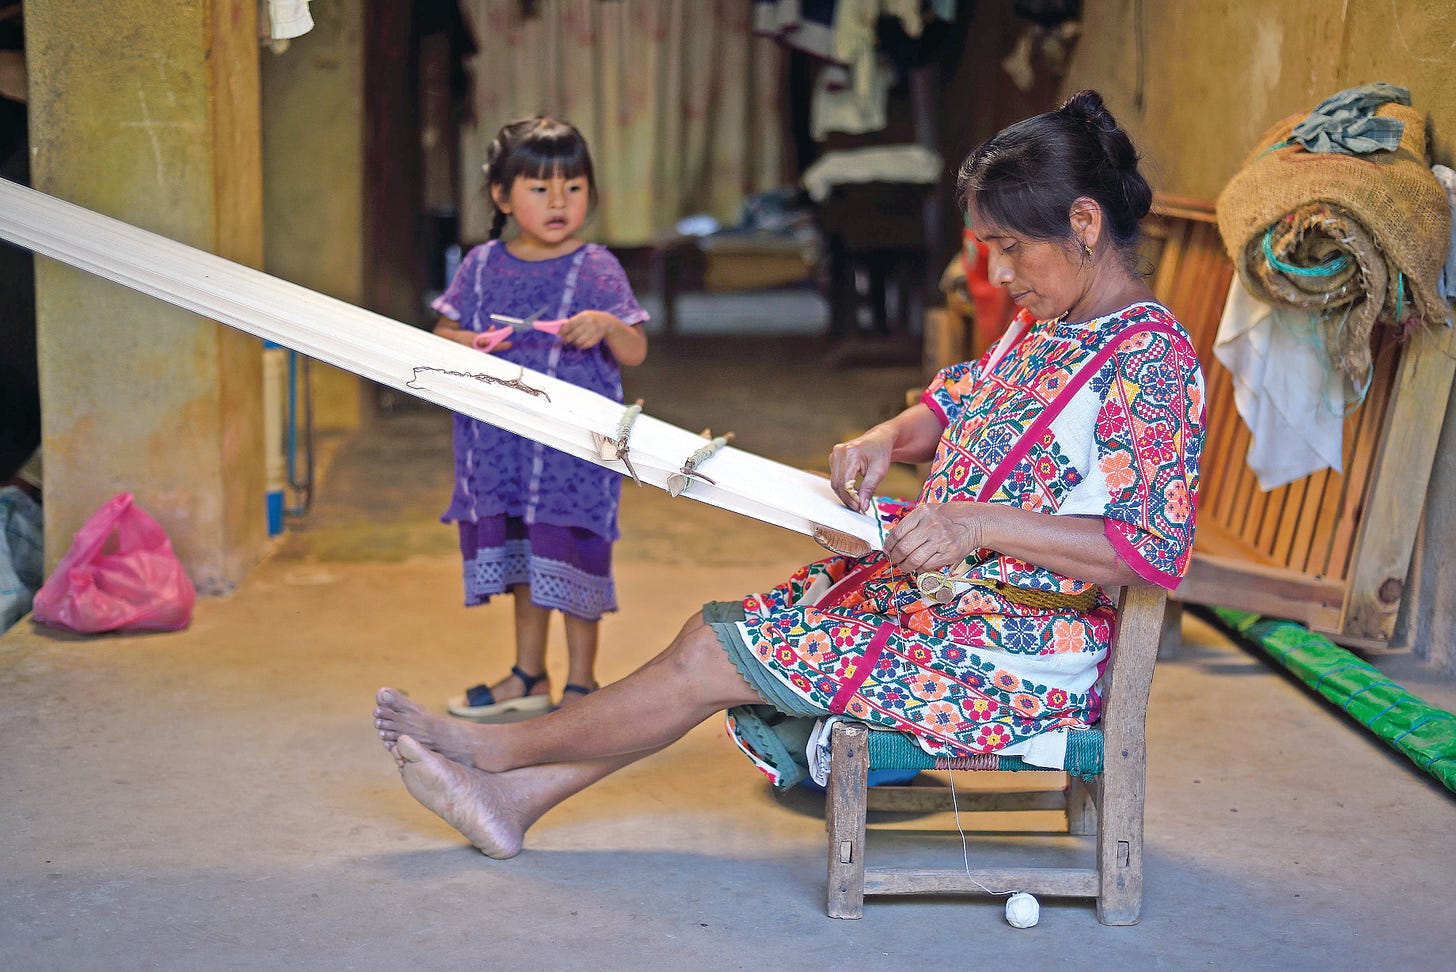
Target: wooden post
{"points": [[1392, 512], [1120, 800], [849, 766]]}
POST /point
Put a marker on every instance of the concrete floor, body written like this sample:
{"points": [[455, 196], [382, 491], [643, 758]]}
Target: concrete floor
{"points": [[217, 797]]}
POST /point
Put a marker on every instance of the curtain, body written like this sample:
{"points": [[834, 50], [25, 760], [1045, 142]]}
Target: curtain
{"points": [[678, 99]]}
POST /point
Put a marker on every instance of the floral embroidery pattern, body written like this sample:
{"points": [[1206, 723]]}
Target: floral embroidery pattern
{"points": [[957, 675]]}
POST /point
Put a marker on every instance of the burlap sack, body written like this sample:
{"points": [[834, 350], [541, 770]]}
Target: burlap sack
{"points": [[1385, 211]]}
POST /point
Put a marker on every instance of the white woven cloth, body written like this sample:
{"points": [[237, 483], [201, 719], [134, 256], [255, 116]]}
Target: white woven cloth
{"points": [[545, 409], [288, 19]]}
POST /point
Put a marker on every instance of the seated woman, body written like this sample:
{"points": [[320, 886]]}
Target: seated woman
{"points": [[1065, 464]]}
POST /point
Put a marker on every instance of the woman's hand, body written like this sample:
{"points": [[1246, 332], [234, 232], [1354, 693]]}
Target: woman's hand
{"points": [[863, 460], [910, 436], [936, 535]]}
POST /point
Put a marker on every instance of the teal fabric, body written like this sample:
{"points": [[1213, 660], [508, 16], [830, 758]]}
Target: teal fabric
{"points": [[897, 750], [781, 740], [723, 618]]}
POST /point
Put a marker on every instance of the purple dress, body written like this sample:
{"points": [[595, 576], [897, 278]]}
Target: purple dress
{"points": [[529, 514]]}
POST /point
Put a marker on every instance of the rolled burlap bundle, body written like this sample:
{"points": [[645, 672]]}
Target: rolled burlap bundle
{"points": [[1355, 239]]}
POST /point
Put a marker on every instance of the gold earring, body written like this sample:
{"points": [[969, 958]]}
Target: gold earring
{"points": [[1088, 247]]}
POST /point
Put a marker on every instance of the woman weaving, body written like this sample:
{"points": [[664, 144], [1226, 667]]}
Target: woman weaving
{"points": [[1064, 464]]}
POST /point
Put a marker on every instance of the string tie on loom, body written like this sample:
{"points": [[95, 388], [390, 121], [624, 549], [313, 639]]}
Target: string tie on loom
{"points": [[679, 481], [620, 448]]}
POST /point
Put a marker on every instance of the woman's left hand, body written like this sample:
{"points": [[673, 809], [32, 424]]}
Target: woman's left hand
{"points": [[936, 535], [587, 329]]}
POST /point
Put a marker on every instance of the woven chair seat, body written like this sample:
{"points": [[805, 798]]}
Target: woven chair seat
{"points": [[898, 751]]}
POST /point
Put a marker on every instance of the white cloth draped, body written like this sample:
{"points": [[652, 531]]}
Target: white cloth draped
{"points": [[1284, 389]]}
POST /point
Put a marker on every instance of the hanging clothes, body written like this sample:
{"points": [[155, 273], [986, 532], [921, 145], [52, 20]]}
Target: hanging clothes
{"points": [[287, 19], [1447, 282]]}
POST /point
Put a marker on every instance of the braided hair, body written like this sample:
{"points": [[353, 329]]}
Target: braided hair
{"points": [[539, 147]]}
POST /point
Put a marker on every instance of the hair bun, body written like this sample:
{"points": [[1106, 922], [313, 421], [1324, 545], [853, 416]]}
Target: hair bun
{"points": [[1088, 107], [1075, 150]]}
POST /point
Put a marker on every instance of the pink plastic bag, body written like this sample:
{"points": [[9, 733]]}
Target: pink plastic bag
{"points": [[119, 575]]}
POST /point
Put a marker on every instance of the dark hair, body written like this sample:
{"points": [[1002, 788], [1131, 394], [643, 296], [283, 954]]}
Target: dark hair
{"points": [[1025, 178], [538, 147]]}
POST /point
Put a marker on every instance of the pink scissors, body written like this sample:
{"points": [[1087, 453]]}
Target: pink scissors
{"points": [[490, 340]]}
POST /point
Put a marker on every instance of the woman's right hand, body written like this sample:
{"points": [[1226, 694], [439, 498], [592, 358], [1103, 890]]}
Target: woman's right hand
{"points": [[857, 466]]}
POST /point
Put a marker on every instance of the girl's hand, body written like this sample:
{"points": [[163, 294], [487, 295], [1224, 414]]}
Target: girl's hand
{"points": [[936, 535], [496, 339], [447, 328], [863, 460], [587, 329]]}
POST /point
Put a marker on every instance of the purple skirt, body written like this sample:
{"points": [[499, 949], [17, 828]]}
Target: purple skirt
{"points": [[569, 569]]}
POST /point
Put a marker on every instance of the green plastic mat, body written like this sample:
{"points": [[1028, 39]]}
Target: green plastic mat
{"points": [[1423, 733]]}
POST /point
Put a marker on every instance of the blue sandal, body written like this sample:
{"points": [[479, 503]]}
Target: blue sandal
{"points": [[572, 687], [479, 704]]}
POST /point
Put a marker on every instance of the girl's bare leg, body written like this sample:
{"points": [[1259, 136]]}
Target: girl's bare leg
{"points": [[659, 702], [494, 810], [532, 625], [581, 653]]}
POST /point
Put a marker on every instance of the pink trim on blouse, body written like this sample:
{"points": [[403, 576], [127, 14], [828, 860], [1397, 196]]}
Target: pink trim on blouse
{"points": [[1130, 556], [929, 401]]}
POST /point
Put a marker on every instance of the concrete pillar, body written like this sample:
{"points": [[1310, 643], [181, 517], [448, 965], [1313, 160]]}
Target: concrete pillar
{"points": [[149, 113]]}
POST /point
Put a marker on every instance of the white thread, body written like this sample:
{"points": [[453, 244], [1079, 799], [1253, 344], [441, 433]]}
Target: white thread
{"points": [[1022, 909]]}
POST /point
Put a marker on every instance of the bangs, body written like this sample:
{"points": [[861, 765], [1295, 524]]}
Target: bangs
{"points": [[543, 158], [1007, 193], [545, 148]]}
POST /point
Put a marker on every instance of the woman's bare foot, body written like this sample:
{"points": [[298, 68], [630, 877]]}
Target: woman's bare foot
{"points": [[397, 715], [465, 798]]}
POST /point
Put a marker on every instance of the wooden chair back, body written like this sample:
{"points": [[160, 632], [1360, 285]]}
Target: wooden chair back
{"points": [[1330, 550]]}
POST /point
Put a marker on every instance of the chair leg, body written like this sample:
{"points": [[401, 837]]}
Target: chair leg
{"points": [[1120, 838], [849, 765], [1081, 807], [1170, 641]]}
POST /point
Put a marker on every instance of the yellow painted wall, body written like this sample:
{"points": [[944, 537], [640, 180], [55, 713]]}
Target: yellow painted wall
{"points": [[1214, 74], [313, 159], [150, 116]]}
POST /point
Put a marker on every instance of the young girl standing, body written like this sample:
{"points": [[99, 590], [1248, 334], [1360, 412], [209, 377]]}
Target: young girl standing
{"points": [[534, 521]]}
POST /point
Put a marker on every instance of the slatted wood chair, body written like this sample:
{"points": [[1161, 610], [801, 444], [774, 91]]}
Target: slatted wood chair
{"points": [[1107, 803], [1331, 550]]}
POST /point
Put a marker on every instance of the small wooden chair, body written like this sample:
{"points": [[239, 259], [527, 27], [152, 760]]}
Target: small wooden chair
{"points": [[1106, 799]]}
